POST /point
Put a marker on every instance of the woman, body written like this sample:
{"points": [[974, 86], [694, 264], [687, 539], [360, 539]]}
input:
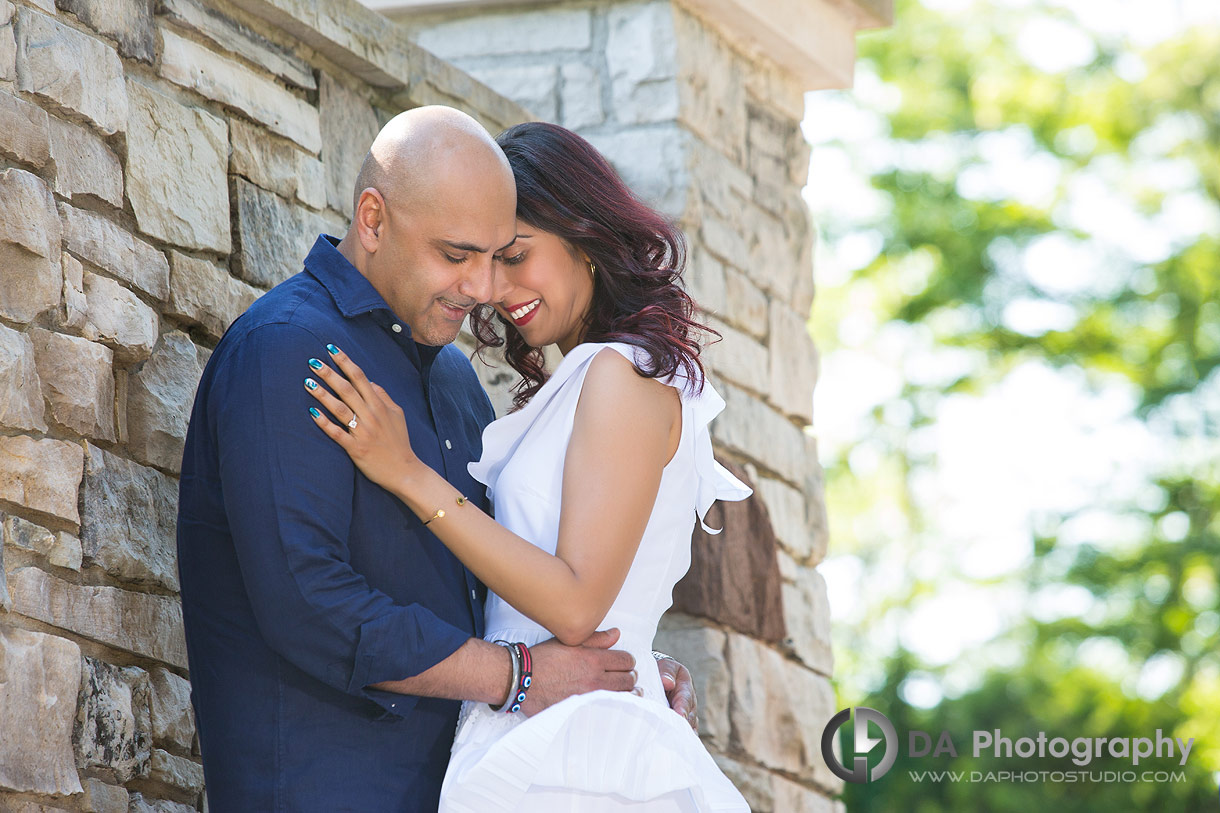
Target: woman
{"points": [[596, 479]]}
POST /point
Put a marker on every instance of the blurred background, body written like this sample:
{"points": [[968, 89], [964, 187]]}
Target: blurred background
{"points": [[1018, 312]]}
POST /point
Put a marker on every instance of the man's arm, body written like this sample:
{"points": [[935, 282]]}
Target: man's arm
{"points": [[483, 672], [288, 494]]}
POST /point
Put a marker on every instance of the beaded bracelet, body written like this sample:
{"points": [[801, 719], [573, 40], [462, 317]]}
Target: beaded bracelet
{"points": [[527, 677]]}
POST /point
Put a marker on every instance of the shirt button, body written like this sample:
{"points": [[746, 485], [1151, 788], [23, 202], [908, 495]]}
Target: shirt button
{"points": [[448, 445], [393, 705], [396, 328]]}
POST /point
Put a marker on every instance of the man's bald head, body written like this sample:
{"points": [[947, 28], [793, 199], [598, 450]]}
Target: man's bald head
{"points": [[419, 148], [435, 200]]}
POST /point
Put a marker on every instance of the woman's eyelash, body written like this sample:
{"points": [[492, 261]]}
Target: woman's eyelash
{"points": [[512, 260]]}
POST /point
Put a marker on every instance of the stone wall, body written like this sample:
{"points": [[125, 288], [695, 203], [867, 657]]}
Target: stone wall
{"points": [[159, 168], [708, 131]]}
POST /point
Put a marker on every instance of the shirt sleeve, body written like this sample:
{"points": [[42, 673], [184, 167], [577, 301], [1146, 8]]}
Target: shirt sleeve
{"points": [[288, 495]]}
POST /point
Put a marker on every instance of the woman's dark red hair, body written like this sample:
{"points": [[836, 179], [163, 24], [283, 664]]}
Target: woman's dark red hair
{"points": [[565, 187]]}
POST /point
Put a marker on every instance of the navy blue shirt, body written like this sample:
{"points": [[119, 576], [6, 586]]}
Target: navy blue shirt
{"points": [[302, 581]]}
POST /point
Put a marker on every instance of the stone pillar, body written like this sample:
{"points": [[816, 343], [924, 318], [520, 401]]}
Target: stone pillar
{"points": [[698, 105]]}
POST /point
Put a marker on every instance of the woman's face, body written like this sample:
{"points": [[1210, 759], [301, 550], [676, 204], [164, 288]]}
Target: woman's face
{"points": [[544, 288]]}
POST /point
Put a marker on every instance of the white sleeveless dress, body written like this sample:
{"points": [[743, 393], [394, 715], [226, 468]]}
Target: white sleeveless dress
{"points": [[602, 750]]}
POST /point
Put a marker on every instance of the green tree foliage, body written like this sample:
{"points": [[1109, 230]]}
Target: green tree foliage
{"points": [[1121, 286]]}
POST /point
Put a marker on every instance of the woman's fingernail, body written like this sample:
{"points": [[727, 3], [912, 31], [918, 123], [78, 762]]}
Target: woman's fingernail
{"points": [[334, 351], [309, 382], [315, 412], [314, 363]]}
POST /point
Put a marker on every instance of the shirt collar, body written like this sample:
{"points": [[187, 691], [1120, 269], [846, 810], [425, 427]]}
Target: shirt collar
{"points": [[351, 290]]}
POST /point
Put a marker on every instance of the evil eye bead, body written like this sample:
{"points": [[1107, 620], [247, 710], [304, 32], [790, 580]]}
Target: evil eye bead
{"points": [[521, 697], [516, 707], [529, 681]]}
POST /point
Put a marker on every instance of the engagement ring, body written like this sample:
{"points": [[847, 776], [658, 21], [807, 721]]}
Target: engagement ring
{"points": [[352, 423]]}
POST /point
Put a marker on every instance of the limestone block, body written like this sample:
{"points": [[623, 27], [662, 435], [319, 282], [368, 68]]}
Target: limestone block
{"points": [[202, 293], [151, 270], [273, 235], [815, 487], [20, 394], [721, 184], [191, 65], [641, 55], [71, 69], [159, 398], [712, 86], [130, 520], [754, 782], [807, 615], [701, 650], [705, 279], [580, 96], [189, 206], [275, 164], [753, 429], [27, 213], [794, 363], [78, 382], [797, 798], [76, 307], [179, 773], [794, 702], [30, 285], [84, 165], [652, 161], [6, 601], [311, 181], [60, 549], [349, 126], [39, 680], [739, 358], [103, 798], [118, 319], [234, 37], [112, 720], [725, 240], [140, 623], [31, 807], [23, 123], [128, 22], [735, 585], [528, 32], [749, 308], [173, 721], [774, 249], [99, 241], [142, 804], [534, 87], [789, 517], [8, 42], [43, 475]]}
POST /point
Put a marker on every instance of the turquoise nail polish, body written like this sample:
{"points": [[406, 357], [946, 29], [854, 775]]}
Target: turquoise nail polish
{"points": [[314, 363], [334, 351], [315, 412], [311, 384]]}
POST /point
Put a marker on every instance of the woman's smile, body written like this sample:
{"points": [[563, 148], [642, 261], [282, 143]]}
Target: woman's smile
{"points": [[523, 313]]}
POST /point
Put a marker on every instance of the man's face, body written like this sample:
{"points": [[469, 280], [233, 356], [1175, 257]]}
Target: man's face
{"points": [[433, 263]]}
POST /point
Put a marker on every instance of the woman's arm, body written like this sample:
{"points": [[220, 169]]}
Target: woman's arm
{"points": [[626, 429]]}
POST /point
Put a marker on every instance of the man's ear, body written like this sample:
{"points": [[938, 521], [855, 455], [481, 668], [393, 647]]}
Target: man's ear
{"points": [[370, 219]]}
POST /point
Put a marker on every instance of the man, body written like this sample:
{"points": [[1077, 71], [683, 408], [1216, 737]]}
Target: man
{"points": [[329, 633]]}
